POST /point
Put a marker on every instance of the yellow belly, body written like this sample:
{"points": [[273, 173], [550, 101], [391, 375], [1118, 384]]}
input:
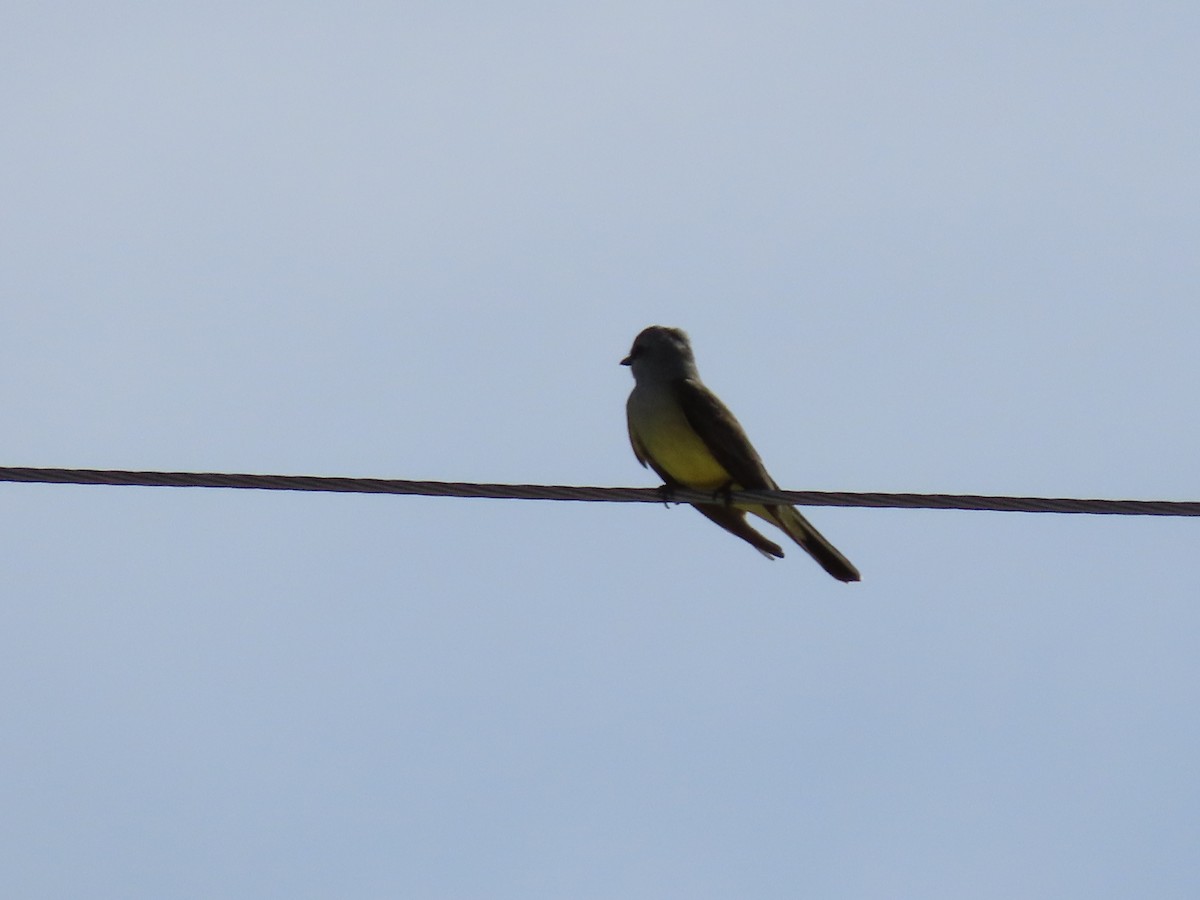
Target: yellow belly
{"points": [[678, 450]]}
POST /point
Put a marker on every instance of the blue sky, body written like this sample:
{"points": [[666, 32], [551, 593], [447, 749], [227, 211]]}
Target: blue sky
{"points": [[938, 247]]}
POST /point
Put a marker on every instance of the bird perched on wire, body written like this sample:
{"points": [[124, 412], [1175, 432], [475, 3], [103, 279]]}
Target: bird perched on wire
{"points": [[681, 430]]}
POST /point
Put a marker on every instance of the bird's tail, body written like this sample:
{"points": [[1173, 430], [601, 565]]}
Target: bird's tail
{"points": [[734, 521], [800, 530]]}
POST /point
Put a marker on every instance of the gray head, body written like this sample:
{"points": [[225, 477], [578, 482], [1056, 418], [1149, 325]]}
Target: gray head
{"points": [[661, 352]]}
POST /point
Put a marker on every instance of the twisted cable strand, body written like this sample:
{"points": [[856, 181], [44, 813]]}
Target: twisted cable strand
{"points": [[866, 499]]}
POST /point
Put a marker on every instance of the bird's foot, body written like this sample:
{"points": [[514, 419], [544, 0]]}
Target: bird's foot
{"points": [[724, 496], [667, 493]]}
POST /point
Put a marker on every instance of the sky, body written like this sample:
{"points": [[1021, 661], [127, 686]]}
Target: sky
{"points": [[938, 247]]}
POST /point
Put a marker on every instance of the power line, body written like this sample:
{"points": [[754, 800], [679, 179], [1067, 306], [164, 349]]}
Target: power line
{"points": [[869, 499]]}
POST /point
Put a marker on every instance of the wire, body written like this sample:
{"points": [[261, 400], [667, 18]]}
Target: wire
{"points": [[597, 494]]}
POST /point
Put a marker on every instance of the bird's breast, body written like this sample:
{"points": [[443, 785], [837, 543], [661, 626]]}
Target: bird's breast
{"points": [[658, 420]]}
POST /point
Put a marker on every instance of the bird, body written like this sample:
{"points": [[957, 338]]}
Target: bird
{"points": [[682, 430]]}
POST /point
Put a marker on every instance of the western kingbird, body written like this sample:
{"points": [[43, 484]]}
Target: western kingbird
{"points": [[681, 430]]}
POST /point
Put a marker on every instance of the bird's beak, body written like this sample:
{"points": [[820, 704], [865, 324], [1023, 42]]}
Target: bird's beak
{"points": [[627, 361]]}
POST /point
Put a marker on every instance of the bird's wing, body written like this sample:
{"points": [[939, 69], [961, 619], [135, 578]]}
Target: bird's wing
{"points": [[723, 435], [638, 449]]}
